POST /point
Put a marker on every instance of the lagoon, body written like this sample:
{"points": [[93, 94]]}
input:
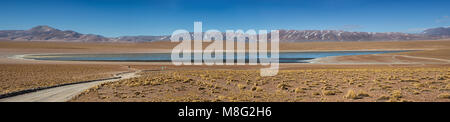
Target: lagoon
{"points": [[284, 57]]}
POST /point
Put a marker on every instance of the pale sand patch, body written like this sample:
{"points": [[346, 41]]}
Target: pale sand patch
{"points": [[388, 58]]}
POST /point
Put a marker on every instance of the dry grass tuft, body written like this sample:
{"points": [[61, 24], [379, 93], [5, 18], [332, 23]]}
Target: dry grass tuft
{"points": [[444, 96], [242, 86], [351, 94], [323, 84]]}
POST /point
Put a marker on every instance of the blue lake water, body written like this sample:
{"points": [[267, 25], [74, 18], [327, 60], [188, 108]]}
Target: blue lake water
{"points": [[284, 57]]}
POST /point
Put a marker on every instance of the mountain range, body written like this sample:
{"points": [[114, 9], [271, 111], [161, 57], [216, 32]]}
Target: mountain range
{"points": [[46, 33]]}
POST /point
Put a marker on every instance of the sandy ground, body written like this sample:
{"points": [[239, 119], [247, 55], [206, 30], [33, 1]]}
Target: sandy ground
{"points": [[63, 93], [431, 54], [17, 77]]}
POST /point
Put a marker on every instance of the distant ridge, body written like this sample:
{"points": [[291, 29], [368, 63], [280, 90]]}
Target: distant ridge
{"points": [[46, 33], [441, 31]]}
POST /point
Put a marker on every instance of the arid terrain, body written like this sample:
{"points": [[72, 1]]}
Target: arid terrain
{"points": [[354, 83], [16, 77], [421, 75]]}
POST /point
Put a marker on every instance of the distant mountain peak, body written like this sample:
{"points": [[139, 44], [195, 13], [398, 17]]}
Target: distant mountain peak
{"points": [[43, 28], [439, 31], [47, 33]]}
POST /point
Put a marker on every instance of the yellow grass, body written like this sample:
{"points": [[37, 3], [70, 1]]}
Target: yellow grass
{"points": [[329, 84]]}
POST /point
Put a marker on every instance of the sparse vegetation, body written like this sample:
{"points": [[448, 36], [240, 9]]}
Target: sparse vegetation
{"points": [[197, 83]]}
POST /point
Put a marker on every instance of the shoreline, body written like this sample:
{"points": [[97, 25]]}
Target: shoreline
{"points": [[16, 52], [319, 60]]}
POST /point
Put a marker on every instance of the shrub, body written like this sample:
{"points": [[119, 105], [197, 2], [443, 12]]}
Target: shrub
{"points": [[283, 86], [329, 92], [299, 90], [396, 94], [241, 86], [444, 96], [257, 88], [351, 94]]}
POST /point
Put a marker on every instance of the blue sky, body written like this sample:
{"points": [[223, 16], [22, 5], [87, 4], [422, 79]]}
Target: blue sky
{"points": [[161, 17]]}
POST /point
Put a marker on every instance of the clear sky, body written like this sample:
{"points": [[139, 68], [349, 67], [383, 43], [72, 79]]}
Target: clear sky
{"points": [[113, 18]]}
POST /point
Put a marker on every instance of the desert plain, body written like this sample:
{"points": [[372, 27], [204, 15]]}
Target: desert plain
{"points": [[422, 75]]}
